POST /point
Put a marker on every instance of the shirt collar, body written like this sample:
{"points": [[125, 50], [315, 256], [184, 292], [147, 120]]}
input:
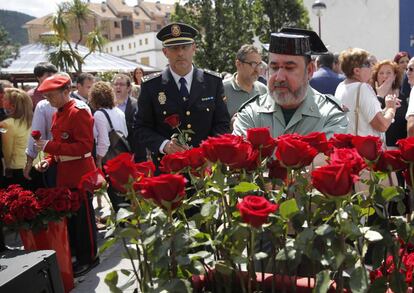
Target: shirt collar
{"points": [[188, 78]]}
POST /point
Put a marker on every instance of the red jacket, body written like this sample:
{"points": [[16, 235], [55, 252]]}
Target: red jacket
{"points": [[72, 131]]}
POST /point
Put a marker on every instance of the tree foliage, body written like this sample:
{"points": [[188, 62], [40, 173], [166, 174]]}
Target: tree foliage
{"points": [[66, 56], [7, 48], [225, 25]]}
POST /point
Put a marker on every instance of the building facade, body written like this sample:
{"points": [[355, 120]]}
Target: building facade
{"points": [[144, 48], [115, 18]]}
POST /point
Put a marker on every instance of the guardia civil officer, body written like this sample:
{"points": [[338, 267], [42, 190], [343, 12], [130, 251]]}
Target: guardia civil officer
{"points": [[291, 105], [196, 95], [70, 150]]}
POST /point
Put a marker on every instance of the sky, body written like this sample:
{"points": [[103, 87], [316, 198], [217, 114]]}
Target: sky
{"points": [[40, 8]]}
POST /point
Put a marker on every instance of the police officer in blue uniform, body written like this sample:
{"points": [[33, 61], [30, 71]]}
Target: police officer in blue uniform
{"points": [[196, 95]]}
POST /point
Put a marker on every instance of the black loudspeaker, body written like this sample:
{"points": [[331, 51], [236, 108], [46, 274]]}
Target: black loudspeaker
{"points": [[30, 272]]}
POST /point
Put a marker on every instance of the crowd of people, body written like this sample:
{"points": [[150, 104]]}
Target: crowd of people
{"points": [[348, 92]]}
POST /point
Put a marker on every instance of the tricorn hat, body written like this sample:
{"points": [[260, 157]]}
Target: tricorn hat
{"points": [[294, 41], [176, 34]]}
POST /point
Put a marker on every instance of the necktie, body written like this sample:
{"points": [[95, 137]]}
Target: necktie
{"points": [[183, 89]]}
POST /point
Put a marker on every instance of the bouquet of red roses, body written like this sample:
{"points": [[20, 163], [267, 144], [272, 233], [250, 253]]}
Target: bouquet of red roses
{"points": [[21, 208]]}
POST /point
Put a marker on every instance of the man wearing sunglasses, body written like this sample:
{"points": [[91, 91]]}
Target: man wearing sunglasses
{"points": [[244, 84], [291, 105]]}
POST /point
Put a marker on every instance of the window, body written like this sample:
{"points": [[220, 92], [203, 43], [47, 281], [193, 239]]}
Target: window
{"points": [[117, 48], [117, 36], [122, 47], [147, 27], [116, 24], [129, 46], [145, 60], [140, 42], [137, 24], [135, 45], [110, 49], [158, 27], [146, 41]]}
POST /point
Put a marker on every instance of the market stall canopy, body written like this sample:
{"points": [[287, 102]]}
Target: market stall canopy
{"points": [[21, 69]]}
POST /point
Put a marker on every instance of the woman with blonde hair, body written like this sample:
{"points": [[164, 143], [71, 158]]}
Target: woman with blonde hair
{"points": [[365, 114], [386, 80], [19, 109]]}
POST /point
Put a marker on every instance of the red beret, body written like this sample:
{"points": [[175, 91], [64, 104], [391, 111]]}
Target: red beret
{"points": [[53, 82]]}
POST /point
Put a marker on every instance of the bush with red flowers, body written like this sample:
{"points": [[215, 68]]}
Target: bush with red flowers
{"points": [[21, 208], [284, 205]]}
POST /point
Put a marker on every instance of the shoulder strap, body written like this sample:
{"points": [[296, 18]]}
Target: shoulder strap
{"points": [[107, 117], [357, 109]]}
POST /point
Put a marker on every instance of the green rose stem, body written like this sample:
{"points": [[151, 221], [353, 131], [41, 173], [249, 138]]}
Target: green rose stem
{"points": [[410, 200], [340, 279], [250, 269], [172, 249], [144, 266]]}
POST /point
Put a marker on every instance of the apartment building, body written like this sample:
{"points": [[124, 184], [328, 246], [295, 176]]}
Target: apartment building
{"points": [[115, 18]]}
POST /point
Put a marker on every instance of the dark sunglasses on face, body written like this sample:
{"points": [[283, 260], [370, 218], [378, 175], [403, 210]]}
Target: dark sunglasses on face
{"points": [[410, 69]]}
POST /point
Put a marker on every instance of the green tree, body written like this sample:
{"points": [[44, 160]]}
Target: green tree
{"points": [[7, 48], [224, 26], [271, 15], [66, 56]]}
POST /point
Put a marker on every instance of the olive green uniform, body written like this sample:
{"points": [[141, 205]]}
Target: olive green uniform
{"points": [[318, 112]]}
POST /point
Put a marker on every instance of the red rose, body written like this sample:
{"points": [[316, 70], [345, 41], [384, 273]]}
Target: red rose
{"points": [[407, 148], [375, 274], [195, 157], [341, 140], [209, 146], [258, 136], [230, 150], [147, 168], [390, 161], [26, 207], [350, 157], [120, 169], [294, 153], [255, 210], [318, 141], [369, 147], [277, 171], [36, 134], [166, 190], [92, 180], [333, 179], [174, 162], [173, 120]]}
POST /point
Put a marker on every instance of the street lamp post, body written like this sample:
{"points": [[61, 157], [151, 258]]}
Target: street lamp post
{"points": [[318, 7]]}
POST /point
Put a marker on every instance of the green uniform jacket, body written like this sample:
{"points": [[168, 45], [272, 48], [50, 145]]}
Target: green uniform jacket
{"points": [[318, 112]]}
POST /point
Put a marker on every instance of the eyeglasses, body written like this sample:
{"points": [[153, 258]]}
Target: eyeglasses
{"points": [[366, 64], [410, 69], [253, 64]]}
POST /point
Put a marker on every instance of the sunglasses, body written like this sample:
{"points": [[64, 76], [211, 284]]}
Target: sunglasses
{"points": [[410, 69]]}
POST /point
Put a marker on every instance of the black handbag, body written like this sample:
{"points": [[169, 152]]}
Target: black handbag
{"points": [[118, 142]]}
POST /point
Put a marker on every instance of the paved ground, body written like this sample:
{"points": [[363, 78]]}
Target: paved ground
{"points": [[93, 281]]}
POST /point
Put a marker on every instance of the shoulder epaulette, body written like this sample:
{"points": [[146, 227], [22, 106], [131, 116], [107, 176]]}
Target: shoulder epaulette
{"points": [[248, 102], [213, 73], [334, 100], [150, 76], [81, 106]]}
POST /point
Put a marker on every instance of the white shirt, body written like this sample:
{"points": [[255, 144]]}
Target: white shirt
{"points": [[410, 110], [101, 128], [188, 78], [369, 106]]}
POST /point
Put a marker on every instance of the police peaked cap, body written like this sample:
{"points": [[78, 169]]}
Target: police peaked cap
{"points": [[295, 41], [176, 34], [54, 82]]}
